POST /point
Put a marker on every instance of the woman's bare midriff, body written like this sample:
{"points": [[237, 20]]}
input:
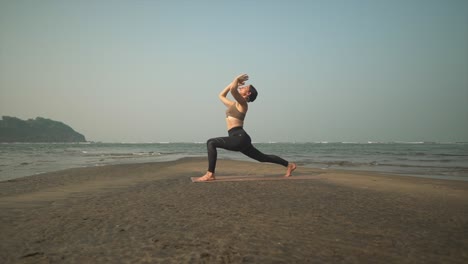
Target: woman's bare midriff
{"points": [[233, 122]]}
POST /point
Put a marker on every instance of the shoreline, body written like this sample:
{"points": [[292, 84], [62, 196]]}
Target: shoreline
{"points": [[312, 167], [151, 212], [427, 160]]}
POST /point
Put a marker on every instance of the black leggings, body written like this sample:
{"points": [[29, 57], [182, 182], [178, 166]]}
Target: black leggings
{"points": [[238, 140]]}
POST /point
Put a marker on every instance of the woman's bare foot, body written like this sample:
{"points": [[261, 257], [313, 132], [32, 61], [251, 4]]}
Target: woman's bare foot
{"points": [[209, 176], [291, 168]]}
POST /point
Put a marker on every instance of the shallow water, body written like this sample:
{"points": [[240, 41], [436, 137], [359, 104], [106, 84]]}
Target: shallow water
{"points": [[439, 160]]}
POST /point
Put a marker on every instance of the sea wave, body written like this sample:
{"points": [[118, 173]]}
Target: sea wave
{"points": [[401, 157]]}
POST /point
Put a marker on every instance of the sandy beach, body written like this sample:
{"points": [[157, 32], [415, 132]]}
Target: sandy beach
{"points": [[153, 213]]}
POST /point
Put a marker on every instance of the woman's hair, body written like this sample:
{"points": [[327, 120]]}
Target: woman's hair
{"points": [[253, 94]]}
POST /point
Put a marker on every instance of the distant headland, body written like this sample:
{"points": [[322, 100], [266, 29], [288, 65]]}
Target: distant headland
{"points": [[13, 129]]}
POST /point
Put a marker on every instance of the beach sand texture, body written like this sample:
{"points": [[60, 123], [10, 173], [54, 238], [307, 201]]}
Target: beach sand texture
{"points": [[153, 213]]}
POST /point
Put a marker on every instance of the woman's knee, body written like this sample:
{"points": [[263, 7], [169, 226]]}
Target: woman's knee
{"points": [[264, 158], [212, 143]]}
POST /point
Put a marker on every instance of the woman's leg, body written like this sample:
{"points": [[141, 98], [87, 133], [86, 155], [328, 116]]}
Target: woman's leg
{"points": [[229, 143], [256, 154]]}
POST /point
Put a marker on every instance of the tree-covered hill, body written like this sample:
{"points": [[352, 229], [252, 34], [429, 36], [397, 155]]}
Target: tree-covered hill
{"points": [[13, 129]]}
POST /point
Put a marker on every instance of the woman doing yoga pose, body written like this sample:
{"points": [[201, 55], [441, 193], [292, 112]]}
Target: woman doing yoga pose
{"points": [[238, 139]]}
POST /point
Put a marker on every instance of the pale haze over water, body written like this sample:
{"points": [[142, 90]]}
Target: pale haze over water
{"points": [[150, 71]]}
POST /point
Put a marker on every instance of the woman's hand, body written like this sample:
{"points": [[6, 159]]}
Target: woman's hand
{"points": [[241, 79]]}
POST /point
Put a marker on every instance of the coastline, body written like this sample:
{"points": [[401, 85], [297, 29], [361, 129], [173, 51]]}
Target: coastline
{"points": [[446, 161], [151, 212]]}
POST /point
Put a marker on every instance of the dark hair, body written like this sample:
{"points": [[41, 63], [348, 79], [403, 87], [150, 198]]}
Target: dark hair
{"points": [[253, 94]]}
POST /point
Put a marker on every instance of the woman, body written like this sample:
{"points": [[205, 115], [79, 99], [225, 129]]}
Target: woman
{"points": [[238, 139]]}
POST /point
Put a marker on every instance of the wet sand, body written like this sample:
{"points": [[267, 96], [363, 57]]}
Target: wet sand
{"points": [[153, 213]]}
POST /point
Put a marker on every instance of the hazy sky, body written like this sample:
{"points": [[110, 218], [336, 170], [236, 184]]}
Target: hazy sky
{"points": [[150, 71]]}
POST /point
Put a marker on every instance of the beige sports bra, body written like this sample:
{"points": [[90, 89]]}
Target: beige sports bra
{"points": [[232, 111]]}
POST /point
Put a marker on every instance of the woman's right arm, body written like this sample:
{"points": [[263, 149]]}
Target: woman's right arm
{"points": [[224, 93], [232, 87]]}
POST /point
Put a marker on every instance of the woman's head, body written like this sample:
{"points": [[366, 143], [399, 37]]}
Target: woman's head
{"points": [[248, 92], [253, 94]]}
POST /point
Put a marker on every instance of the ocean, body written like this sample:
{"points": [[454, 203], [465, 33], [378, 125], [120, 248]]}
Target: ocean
{"points": [[434, 160]]}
